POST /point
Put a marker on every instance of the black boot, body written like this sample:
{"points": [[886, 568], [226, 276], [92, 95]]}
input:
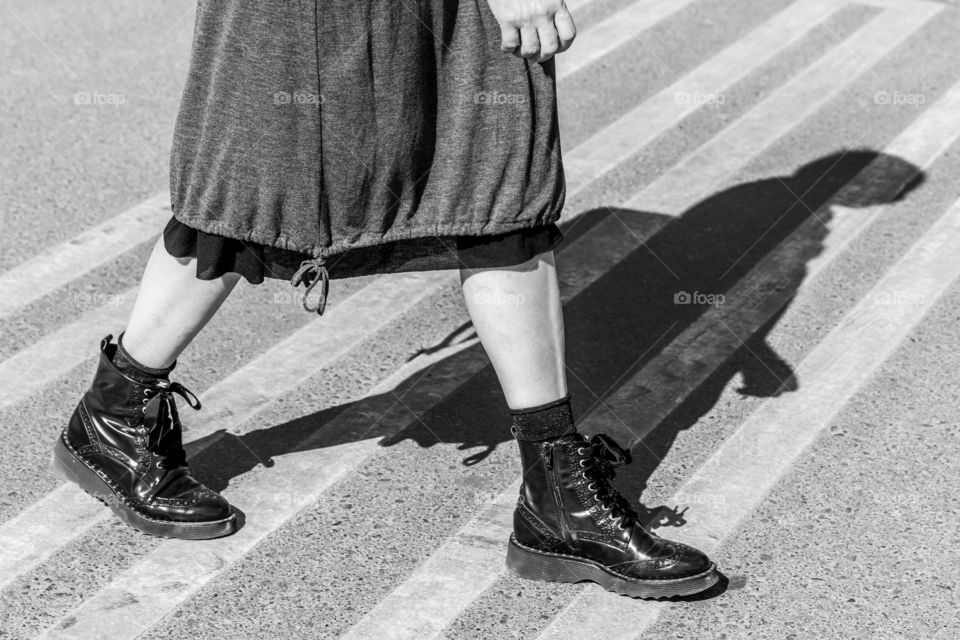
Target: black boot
{"points": [[570, 525], [123, 446]]}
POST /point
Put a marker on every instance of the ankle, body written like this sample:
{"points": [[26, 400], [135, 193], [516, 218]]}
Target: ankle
{"points": [[546, 421], [135, 369]]}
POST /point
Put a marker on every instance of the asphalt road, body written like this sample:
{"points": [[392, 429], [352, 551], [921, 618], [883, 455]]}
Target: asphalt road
{"points": [[761, 282]]}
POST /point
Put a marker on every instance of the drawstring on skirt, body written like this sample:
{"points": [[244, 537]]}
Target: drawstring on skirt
{"points": [[318, 272]]}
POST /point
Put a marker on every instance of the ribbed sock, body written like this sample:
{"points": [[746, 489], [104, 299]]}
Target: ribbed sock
{"points": [[544, 422], [133, 369]]}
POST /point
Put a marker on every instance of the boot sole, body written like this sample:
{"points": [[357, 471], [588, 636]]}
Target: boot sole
{"points": [[70, 466], [557, 567]]}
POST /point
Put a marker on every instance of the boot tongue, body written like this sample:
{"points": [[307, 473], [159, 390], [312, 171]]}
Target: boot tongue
{"points": [[611, 452]]}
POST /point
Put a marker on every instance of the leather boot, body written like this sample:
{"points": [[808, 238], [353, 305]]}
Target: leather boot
{"points": [[570, 525], [123, 446]]}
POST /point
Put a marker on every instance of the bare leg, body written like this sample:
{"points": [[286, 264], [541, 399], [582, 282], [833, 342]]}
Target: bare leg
{"points": [[173, 305], [517, 314]]}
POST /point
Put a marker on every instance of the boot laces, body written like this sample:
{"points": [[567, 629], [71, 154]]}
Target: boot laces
{"points": [[164, 434], [600, 456]]}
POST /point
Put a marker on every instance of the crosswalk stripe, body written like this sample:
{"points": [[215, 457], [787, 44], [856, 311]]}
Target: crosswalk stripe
{"points": [[663, 111], [34, 367], [805, 94], [99, 245], [742, 472], [96, 246], [469, 562], [614, 32]]}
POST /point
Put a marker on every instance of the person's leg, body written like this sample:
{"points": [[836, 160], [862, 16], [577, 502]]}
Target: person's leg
{"points": [[517, 314], [123, 442], [172, 306], [570, 523]]}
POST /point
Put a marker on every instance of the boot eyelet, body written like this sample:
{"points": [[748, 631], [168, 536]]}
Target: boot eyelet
{"points": [[159, 464], [592, 487], [580, 450], [582, 464]]}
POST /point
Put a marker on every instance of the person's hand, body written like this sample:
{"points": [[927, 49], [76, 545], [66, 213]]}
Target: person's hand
{"points": [[534, 29]]}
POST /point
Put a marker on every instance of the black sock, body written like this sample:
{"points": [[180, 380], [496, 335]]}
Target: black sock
{"points": [[133, 369], [543, 422]]}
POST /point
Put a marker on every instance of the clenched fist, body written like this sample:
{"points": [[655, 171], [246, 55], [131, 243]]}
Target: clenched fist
{"points": [[534, 29]]}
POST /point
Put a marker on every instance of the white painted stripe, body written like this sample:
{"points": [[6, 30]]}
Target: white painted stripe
{"points": [[296, 480], [746, 467], [452, 577], [617, 30], [663, 111], [798, 99], [31, 369], [470, 562], [49, 270]]}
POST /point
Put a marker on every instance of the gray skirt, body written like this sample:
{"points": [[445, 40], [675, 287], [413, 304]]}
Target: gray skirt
{"points": [[325, 127]]}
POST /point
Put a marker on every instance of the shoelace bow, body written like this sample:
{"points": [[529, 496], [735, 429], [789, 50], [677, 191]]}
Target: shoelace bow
{"points": [[314, 269], [604, 456], [164, 435]]}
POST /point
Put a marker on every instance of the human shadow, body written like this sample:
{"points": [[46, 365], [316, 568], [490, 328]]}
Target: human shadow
{"points": [[617, 325]]}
